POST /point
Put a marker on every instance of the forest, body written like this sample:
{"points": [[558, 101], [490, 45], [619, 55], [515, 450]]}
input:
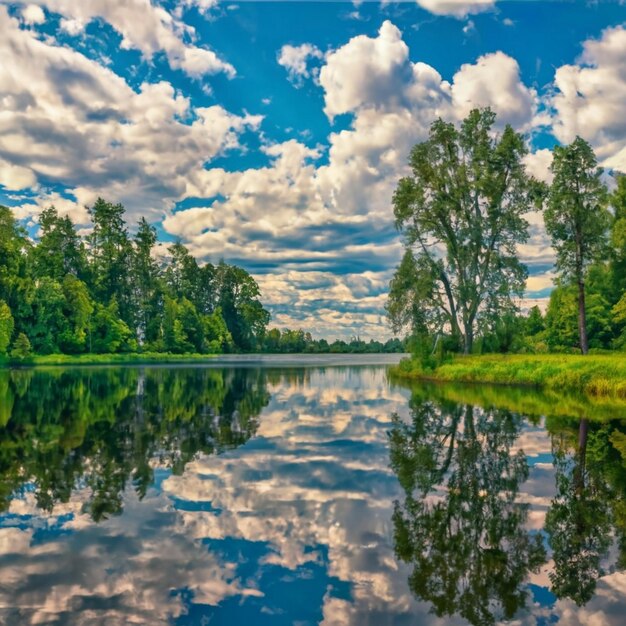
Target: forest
{"points": [[107, 292], [464, 214]]}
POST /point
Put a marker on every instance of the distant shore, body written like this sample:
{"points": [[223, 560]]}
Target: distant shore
{"points": [[239, 359], [597, 375], [104, 359]]}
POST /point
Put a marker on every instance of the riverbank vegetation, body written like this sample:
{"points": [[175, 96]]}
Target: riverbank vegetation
{"points": [[109, 292], [110, 296], [464, 216], [597, 375]]}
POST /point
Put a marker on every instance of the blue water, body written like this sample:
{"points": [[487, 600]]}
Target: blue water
{"points": [[266, 495]]}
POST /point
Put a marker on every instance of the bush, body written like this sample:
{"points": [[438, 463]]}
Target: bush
{"points": [[21, 348]]}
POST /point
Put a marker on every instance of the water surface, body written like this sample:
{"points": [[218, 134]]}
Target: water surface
{"points": [[303, 492]]}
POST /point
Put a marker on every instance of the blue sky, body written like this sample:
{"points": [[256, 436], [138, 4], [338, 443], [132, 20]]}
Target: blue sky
{"points": [[271, 134]]}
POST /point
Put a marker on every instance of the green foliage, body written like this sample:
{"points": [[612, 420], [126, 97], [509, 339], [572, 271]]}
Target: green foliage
{"points": [[78, 310], [14, 248], [562, 332], [535, 322], [6, 326], [298, 341], [460, 525], [59, 251], [597, 375], [71, 427], [461, 212], [577, 219], [21, 347], [108, 294], [108, 333]]}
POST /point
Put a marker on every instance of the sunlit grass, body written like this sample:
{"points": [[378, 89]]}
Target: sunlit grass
{"points": [[593, 375], [105, 359]]}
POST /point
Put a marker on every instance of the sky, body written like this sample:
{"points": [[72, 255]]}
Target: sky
{"points": [[272, 134]]}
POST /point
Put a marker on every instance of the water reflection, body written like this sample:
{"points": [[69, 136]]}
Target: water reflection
{"points": [[266, 496], [461, 526], [586, 515], [105, 428]]}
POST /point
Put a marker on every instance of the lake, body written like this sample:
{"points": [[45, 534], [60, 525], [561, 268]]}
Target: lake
{"points": [[304, 490]]}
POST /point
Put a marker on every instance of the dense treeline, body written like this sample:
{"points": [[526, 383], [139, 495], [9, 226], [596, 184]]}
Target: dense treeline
{"points": [[106, 292], [462, 212], [299, 341]]}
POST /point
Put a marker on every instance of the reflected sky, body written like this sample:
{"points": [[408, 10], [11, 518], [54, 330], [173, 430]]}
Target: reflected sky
{"points": [[296, 495]]}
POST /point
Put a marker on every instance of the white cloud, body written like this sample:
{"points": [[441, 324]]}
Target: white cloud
{"points": [[204, 6], [33, 14], [334, 220], [295, 59], [590, 98], [538, 164], [16, 177], [457, 8], [494, 80], [143, 26], [72, 27], [71, 121]]}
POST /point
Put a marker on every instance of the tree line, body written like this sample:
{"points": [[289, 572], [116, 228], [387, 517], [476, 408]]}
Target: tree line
{"points": [[106, 292], [298, 341], [463, 214]]}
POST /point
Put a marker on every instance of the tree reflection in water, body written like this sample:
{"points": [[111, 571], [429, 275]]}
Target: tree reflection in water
{"points": [[460, 525], [587, 512], [108, 428]]}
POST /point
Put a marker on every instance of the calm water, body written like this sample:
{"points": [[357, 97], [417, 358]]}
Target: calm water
{"points": [[280, 494]]}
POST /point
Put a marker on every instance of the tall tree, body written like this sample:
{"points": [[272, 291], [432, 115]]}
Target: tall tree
{"points": [[13, 258], [146, 280], [111, 253], [238, 297], [577, 219], [59, 251], [461, 212], [6, 327]]}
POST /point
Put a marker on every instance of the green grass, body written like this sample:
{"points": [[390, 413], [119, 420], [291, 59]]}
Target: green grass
{"points": [[600, 376], [104, 359], [528, 401]]}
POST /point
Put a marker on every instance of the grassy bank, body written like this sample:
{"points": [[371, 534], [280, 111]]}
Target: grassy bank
{"points": [[104, 359], [593, 375]]}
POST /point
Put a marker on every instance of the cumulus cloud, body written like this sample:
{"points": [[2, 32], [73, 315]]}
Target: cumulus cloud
{"points": [[68, 120], [319, 210], [494, 80], [295, 59], [589, 98], [538, 164], [457, 8], [33, 14], [143, 26], [333, 219]]}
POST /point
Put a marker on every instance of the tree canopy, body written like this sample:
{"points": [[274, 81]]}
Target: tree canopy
{"points": [[111, 292], [461, 212]]}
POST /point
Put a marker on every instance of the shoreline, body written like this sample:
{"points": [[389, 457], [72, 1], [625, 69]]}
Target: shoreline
{"points": [[594, 375], [278, 359]]}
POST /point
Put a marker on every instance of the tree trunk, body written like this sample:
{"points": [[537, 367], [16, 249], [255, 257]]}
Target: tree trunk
{"points": [[582, 318], [468, 340], [579, 474]]}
